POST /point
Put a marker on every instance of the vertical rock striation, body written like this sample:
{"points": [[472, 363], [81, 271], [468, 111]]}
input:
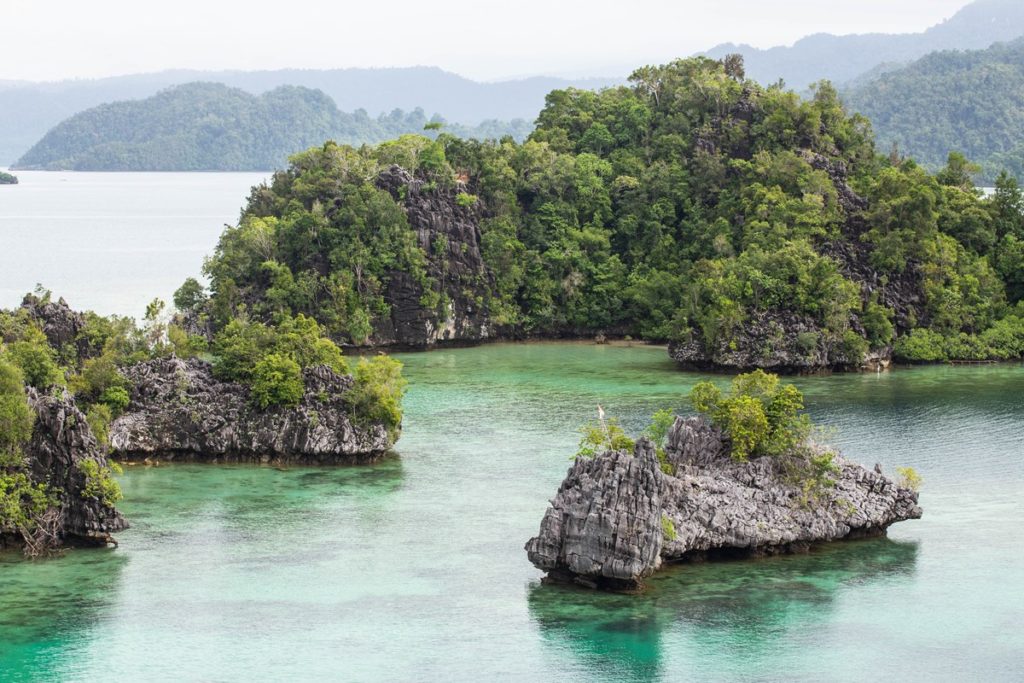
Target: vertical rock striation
{"points": [[618, 517], [61, 443], [179, 410]]}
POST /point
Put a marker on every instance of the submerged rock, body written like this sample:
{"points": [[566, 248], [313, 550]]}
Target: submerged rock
{"points": [[179, 410], [61, 444], [618, 517]]}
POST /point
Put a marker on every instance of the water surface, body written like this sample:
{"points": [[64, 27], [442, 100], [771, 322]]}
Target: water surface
{"points": [[413, 569], [112, 242]]}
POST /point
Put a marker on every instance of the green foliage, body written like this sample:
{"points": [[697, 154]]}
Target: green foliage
{"points": [[909, 478], [760, 415], [189, 296], [912, 107], [99, 483], [377, 393], [7, 179], [99, 416], [686, 206], [606, 435], [668, 529], [16, 416], [277, 381], [37, 360], [212, 127], [21, 502]]}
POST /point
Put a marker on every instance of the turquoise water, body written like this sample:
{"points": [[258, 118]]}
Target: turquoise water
{"points": [[413, 569], [112, 241]]}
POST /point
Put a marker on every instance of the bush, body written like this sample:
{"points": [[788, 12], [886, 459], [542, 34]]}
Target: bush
{"points": [[37, 360], [909, 478], [760, 415], [920, 346], [599, 437], [668, 528], [376, 395], [21, 502], [99, 483], [116, 399], [99, 416], [16, 416], [277, 381]]}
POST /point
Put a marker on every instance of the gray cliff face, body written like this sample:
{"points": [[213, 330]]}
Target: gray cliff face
{"points": [[61, 325], [61, 442], [179, 410], [450, 236], [608, 526]]}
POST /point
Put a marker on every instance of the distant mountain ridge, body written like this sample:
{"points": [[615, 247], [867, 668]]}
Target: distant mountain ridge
{"points": [[970, 102], [212, 127], [28, 111], [841, 59]]}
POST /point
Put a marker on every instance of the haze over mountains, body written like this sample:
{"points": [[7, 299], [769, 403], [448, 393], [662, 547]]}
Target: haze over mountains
{"points": [[841, 59], [29, 110]]}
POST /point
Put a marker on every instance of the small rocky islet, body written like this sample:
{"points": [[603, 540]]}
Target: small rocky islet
{"points": [[618, 517], [57, 459]]}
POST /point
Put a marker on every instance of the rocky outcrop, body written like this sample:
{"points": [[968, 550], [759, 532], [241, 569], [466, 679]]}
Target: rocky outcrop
{"points": [[61, 325], [179, 410], [61, 443], [448, 232], [777, 341], [618, 517]]}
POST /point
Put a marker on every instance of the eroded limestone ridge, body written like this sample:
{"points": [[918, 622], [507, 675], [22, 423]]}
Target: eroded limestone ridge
{"points": [[64, 454], [180, 410], [618, 517]]}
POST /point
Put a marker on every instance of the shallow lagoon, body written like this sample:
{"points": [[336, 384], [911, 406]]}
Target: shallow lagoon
{"points": [[413, 569]]}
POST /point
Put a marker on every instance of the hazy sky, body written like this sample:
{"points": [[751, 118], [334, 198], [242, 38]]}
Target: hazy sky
{"points": [[55, 39]]}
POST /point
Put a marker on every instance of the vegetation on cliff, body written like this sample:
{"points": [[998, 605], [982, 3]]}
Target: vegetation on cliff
{"points": [[693, 206], [211, 127], [969, 102]]}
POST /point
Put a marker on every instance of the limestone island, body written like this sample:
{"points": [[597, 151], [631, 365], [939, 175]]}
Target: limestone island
{"points": [[8, 179], [78, 390], [743, 479]]}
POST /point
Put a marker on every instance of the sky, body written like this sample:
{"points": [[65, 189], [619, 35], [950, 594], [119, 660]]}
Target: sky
{"points": [[484, 40]]}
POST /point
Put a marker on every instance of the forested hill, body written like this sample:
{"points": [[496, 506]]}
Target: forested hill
{"points": [[746, 226], [842, 59], [211, 127], [29, 110], [971, 102]]}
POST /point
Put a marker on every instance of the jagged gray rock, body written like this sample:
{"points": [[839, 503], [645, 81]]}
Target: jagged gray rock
{"points": [[618, 517], [179, 410], [61, 442]]}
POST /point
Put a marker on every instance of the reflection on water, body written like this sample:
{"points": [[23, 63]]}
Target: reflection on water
{"points": [[717, 607]]}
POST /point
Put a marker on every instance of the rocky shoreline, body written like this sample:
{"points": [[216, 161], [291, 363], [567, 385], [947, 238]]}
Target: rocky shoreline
{"points": [[618, 517], [180, 411]]}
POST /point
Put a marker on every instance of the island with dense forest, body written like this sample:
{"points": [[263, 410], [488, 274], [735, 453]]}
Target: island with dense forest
{"points": [[742, 479], [743, 225], [912, 108], [211, 127], [77, 390], [8, 179]]}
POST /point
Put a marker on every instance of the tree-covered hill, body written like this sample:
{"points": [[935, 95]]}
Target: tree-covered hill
{"points": [[211, 127], [842, 59], [29, 110], [971, 102], [743, 224]]}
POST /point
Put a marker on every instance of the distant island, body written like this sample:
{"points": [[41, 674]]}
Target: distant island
{"points": [[212, 127], [971, 102], [8, 179]]}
